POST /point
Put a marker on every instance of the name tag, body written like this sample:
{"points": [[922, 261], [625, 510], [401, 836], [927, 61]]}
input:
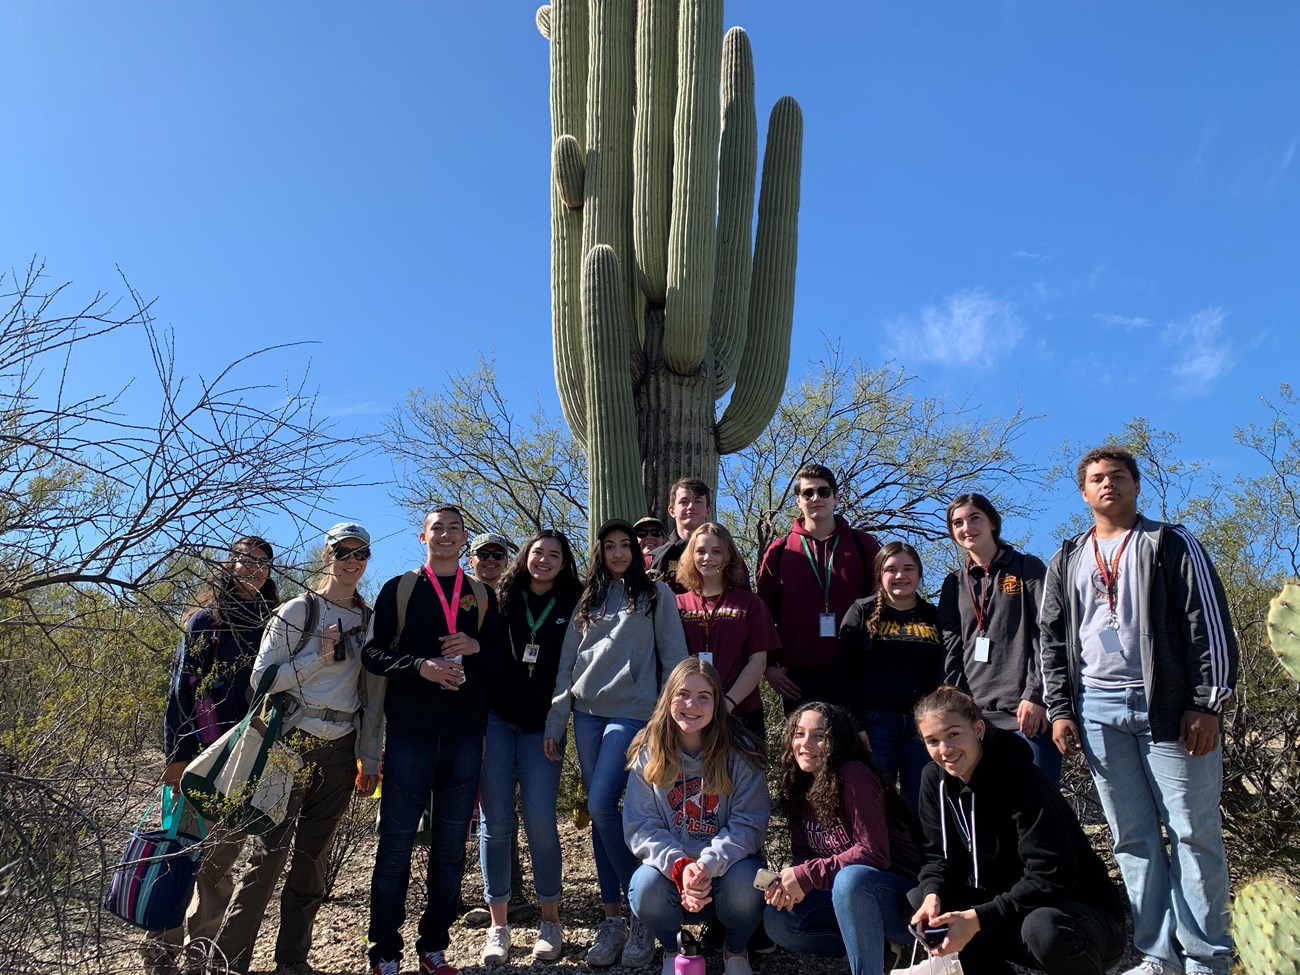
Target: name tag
{"points": [[826, 624], [531, 650], [982, 647], [1110, 641], [706, 658]]}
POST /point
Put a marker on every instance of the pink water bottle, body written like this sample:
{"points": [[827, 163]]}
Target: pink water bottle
{"points": [[690, 959]]}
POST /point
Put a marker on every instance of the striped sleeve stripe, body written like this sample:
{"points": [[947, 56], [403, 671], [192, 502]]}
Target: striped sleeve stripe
{"points": [[1215, 625]]}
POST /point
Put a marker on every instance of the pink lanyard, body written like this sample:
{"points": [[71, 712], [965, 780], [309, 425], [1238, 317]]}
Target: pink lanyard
{"points": [[449, 609]]}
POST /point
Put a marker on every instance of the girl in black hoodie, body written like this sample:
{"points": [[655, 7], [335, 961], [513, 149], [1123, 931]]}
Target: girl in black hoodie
{"points": [[1007, 867]]}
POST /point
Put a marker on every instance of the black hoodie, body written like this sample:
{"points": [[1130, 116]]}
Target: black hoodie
{"points": [[1029, 850]]}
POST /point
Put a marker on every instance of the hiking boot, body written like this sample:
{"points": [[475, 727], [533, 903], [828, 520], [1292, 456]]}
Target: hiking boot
{"points": [[496, 949], [550, 942], [640, 948], [609, 941]]}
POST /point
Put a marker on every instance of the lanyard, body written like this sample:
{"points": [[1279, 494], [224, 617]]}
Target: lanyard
{"points": [[709, 617], [981, 606], [824, 584], [449, 609], [536, 624], [1111, 577]]}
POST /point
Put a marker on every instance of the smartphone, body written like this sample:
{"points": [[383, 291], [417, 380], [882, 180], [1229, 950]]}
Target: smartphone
{"points": [[766, 878], [340, 648], [930, 937]]}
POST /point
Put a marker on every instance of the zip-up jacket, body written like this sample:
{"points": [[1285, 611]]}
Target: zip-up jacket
{"points": [[1007, 841], [1188, 648], [1010, 593], [662, 824], [789, 585]]}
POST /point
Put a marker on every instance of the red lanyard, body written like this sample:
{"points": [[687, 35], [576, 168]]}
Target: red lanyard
{"points": [[1111, 577], [981, 607], [709, 617], [449, 609]]}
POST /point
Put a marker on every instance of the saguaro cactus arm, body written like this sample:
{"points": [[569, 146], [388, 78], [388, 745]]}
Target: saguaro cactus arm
{"points": [[761, 379], [652, 148]]}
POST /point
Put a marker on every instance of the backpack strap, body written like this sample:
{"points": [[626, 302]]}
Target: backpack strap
{"points": [[480, 597], [405, 586]]}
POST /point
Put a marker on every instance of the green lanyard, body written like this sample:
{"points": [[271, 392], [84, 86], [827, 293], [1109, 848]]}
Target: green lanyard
{"points": [[825, 584], [536, 624]]}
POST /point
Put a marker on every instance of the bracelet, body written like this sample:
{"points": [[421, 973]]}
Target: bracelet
{"points": [[732, 700]]}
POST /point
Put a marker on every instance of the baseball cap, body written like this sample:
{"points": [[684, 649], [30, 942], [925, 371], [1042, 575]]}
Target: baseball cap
{"points": [[489, 538], [346, 529]]}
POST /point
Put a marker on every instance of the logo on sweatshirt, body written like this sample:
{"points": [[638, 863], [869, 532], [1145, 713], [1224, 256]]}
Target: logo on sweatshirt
{"points": [[699, 812], [468, 602], [1012, 586]]}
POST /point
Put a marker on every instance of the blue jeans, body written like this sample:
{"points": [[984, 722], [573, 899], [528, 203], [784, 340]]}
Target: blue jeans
{"points": [[864, 908], [736, 903], [1179, 898], [1047, 757], [446, 765], [897, 750], [514, 755], [602, 755]]}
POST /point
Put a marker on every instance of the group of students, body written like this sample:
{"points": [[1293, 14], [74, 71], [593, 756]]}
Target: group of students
{"points": [[657, 658]]}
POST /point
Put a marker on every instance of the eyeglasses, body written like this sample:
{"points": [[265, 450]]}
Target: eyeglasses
{"points": [[649, 532], [342, 554], [818, 492], [495, 554], [253, 561]]}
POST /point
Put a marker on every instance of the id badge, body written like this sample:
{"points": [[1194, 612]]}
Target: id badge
{"points": [[531, 650], [707, 657], [982, 647], [1110, 641], [826, 624]]}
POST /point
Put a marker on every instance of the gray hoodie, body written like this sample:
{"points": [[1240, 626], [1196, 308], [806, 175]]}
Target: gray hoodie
{"points": [[611, 670], [662, 825]]}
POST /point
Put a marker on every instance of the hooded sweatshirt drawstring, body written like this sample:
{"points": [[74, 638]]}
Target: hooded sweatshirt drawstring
{"points": [[966, 826]]}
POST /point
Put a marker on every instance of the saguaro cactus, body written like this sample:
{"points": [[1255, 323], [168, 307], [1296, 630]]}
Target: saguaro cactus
{"points": [[664, 297]]}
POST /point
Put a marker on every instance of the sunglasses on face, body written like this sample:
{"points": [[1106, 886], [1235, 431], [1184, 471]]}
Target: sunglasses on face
{"points": [[818, 492], [649, 532], [342, 554], [495, 554]]}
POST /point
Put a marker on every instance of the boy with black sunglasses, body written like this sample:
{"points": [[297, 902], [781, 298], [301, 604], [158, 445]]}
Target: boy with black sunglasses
{"points": [[809, 578]]}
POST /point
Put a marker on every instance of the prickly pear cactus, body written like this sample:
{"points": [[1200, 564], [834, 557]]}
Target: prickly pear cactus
{"points": [[664, 297], [1284, 627], [1266, 927]]}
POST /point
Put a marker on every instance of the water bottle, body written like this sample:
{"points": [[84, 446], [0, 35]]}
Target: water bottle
{"points": [[690, 957]]}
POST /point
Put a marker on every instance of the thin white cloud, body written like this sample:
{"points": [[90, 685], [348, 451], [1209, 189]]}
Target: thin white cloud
{"points": [[1123, 321], [1202, 352], [969, 327], [1023, 255]]}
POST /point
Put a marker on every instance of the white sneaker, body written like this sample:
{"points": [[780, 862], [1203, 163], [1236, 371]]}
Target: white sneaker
{"points": [[670, 963], [550, 942], [609, 941], [496, 950], [737, 965], [640, 948], [1150, 966]]}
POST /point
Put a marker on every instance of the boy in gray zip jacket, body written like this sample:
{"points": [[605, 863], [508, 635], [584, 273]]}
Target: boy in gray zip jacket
{"points": [[1138, 656]]}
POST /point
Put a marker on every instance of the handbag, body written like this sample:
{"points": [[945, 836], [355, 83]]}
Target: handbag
{"points": [[931, 965], [244, 778], [152, 884]]}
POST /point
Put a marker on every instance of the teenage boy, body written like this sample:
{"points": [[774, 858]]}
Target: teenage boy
{"points": [[809, 578], [689, 508], [1138, 658], [488, 554], [439, 651]]}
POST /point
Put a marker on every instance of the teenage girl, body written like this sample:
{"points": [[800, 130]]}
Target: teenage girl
{"points": [[696, 816], [892, 656], [207, 697], [988, 615], [1007, 870], [625, 635], [726, 624], [854, 858], [536, 595]]}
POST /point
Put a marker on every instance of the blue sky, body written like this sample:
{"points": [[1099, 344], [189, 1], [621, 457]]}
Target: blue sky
{"points": [[1089, 209]]}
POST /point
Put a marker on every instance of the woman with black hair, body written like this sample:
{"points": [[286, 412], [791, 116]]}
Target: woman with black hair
{"points": [[625, 636], [854, 858], [207, 697], [536, 597]]}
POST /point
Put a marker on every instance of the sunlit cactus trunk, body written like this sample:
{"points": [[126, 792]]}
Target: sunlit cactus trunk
{"points": [[664, 297]]}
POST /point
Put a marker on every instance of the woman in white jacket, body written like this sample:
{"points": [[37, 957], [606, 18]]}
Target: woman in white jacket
{"points": [[696, 816]]}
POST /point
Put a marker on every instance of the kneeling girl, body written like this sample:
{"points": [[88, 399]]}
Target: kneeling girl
{"points": [[695, 815]]}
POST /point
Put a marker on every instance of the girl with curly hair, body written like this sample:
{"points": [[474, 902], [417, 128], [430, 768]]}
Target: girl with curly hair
{"points": [[851, 839]]}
